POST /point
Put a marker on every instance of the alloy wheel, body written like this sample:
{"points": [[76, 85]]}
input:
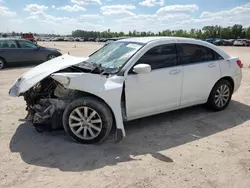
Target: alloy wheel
{"points": [[222, 95], [85, 123]]}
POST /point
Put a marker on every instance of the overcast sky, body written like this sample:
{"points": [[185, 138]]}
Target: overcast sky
{"points": [[63, 16]]}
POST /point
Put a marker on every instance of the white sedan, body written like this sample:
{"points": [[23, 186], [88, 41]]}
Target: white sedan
{"points": [[125, 80], [240, 42]]}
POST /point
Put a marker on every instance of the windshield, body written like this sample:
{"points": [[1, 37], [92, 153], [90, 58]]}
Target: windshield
{"points": [[114, 55]]}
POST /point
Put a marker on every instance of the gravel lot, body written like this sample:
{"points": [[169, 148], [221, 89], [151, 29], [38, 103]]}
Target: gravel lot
{"points": [[182, 149]]}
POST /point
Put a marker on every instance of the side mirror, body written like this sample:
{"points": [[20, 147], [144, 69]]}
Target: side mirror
{"points": [[142, 69]]}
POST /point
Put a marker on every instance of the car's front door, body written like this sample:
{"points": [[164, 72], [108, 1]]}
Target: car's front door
{"points": [[158, 90], [201, 71], [30, 52]]}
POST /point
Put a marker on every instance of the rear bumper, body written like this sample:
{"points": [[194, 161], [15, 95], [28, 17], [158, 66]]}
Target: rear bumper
{"points": [[237, 81]]}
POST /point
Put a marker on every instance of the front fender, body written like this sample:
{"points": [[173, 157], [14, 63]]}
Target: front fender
{"points": [[108, 89]]}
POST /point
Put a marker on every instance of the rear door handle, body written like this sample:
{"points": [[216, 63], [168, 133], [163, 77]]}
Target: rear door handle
{"points": [[176, 71], [211, 65]]}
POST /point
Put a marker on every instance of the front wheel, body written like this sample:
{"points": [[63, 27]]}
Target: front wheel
{"points": [[220, 95], [87, 120]]}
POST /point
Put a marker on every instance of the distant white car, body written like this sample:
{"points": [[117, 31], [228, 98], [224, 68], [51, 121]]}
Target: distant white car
{"points": [[240, 42], [69, 39], [125, 80], [47, 39]]}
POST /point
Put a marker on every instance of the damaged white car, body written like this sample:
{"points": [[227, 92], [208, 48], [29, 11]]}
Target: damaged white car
{"points": [[125, 80]]}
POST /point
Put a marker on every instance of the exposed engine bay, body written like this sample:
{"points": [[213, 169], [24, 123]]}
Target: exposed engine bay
{"points": [[47, 100]]}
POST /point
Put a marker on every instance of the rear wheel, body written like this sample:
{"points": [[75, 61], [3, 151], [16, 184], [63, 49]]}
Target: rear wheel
{"points": [[2, 63], [220, 95], [87, 120]]}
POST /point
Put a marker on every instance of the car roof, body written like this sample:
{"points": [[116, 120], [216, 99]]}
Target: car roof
{"points": [[147, 40], [13, 39], [151, 39]]}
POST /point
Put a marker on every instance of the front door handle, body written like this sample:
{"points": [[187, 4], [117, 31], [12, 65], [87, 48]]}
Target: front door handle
{"points": [[176, 71], [211, 65]]}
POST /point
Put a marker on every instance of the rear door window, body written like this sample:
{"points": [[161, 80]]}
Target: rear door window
{"points": [[9, 44], [190, 53], [217, 56]]}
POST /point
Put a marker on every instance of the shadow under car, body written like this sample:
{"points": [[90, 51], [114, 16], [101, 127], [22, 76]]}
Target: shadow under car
{"points": [[144, 136]]}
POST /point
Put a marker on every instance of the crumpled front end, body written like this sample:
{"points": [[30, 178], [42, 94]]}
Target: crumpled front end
{"points": [[47, 98], [47, 113], [46, 102]]}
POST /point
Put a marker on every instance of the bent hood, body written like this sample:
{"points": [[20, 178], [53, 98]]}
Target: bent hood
{"points": [[38, 73]]}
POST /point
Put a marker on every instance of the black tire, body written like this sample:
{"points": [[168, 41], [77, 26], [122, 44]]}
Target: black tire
{"points": [[103, 111], [211, 103], [2, 63], [51, 56]]}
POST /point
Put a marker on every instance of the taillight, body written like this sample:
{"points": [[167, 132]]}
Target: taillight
{"points": [[239, 63]]}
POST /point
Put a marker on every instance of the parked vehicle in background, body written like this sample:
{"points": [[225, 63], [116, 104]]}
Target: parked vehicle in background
{"points": [[82, 39], [41, 38], [59, 39], [28, 36], [232, 41], [248, 42], [223, 42], [240, 42], [113, 39], [47, 39], [103, 40], [210, 40], [69, 39], [92, 39], [94, 94], [218, 42], [17, 52], [228, 42], [54, 39]]}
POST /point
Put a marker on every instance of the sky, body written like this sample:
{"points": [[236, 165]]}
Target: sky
{"points": [[63, 16]]}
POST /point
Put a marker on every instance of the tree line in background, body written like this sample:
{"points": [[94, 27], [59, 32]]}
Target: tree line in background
{"points": [[14, 34], [234, 32]]}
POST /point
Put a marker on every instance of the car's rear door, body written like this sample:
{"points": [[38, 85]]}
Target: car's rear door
{"points": [[201, 71], [158, 90]]}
